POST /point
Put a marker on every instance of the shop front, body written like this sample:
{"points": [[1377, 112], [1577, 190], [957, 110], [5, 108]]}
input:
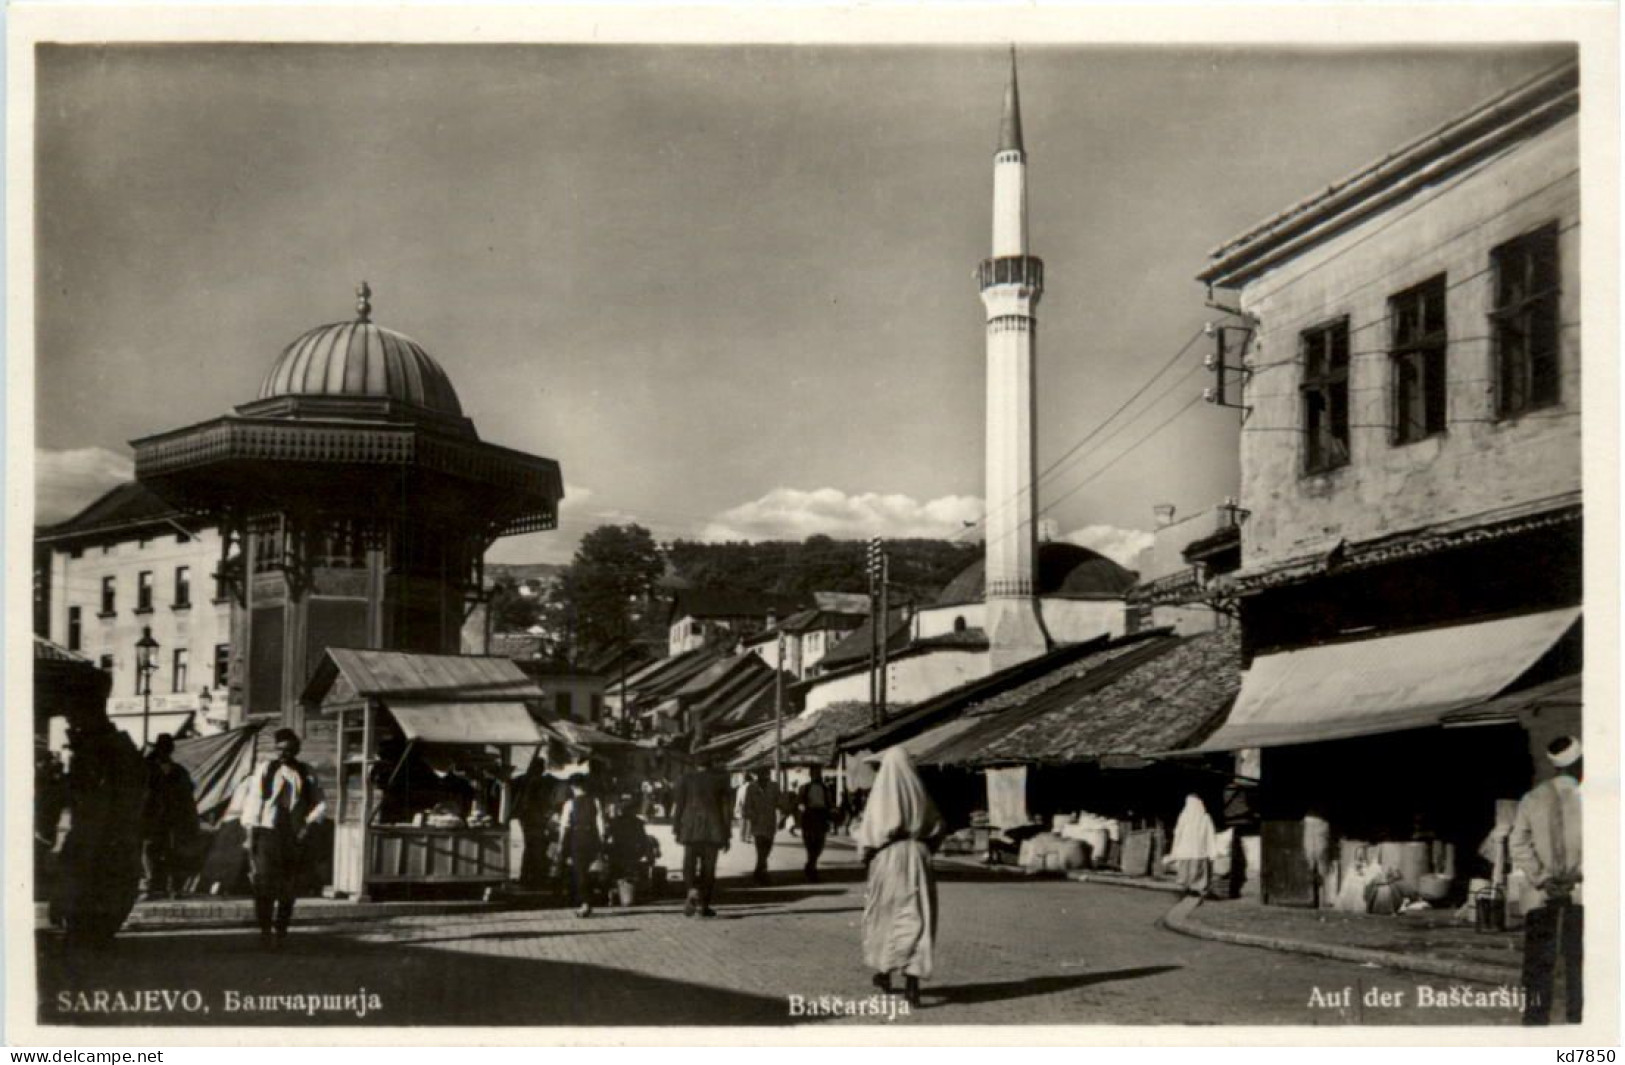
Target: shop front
{"points": [[429, 747], [1396, 760]]}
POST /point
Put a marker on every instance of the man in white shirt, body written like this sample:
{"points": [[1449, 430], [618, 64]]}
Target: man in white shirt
{"points": [[1545, 847], [278, 812]]}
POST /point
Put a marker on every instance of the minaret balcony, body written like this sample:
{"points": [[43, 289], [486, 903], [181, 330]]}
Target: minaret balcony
{"points": [[1027, 271]]}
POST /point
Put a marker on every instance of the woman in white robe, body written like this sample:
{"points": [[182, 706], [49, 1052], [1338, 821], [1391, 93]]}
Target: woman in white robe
{"points": [[1192, 852], [900, 827]]}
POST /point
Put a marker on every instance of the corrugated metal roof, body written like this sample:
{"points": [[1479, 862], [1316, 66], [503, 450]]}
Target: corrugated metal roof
{"points": [[433, 678]]}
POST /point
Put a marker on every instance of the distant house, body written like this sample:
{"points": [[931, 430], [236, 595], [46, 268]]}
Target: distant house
{"points": [[809, 635], [700, 617], [1180, 588]]}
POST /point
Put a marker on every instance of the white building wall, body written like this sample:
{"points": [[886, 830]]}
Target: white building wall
{"points": [[198, 628], [908, 680], [939, 620], [1078, 620], [1480, 463]]}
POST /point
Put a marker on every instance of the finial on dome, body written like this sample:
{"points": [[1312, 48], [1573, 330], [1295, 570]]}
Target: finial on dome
{"points": [[363, 302]]}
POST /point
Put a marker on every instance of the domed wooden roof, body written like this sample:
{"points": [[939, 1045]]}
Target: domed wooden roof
{"points": [[361, 358]]}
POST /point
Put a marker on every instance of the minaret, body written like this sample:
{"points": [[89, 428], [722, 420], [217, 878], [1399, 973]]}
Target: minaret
{"points": [[1011, 283]]}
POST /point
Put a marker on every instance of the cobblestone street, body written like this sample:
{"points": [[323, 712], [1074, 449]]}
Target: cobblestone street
{"points": [[1010, 951]]}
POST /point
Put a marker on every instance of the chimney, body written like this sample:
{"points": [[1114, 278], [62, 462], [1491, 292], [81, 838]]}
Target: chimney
{"points": [[1164, 513]]}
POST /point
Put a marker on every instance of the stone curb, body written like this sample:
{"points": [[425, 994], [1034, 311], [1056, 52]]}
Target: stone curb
{"points": [[1182, 919], [1164, 886]]}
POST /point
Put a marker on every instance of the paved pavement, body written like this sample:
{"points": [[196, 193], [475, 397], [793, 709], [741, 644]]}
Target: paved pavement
{"points": [[1009, 952]]}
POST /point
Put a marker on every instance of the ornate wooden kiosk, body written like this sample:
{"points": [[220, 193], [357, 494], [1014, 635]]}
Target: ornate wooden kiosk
{"points": [[355, 502]]}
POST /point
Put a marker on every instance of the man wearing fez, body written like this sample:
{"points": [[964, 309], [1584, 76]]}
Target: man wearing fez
{"points": [[278, 815], [1545, 847]]}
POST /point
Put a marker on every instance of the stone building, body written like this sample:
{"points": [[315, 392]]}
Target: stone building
{"points": [[1410, 468]]}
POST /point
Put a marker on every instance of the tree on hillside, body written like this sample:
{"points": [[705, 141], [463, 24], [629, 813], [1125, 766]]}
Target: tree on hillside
{"points": [[510, 611], [608, 587]]}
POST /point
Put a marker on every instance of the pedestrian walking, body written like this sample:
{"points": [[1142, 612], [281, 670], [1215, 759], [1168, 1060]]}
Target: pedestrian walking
{"points": [[278, 815], [629, 853], [99, 865], [1545, 847], [759, 818], [815, 802], [168, 820], [701, 823], [900, 829], [581, 838], [1192, 852]]}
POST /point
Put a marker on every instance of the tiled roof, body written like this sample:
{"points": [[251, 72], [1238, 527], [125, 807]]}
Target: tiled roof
{"points": [[855, 647], [1166, 701], [951, 702], [129, 504], [715, 603], [807, 740]]}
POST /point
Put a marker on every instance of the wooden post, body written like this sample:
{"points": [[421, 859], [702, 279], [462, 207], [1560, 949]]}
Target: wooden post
{"points": [[363, 845]]}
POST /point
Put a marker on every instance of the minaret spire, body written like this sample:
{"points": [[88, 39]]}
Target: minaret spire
{"points": [[1011, 282], [1010, 124]]}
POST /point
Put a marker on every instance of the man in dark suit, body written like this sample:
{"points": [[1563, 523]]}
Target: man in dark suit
{"points": [[701, 823]]}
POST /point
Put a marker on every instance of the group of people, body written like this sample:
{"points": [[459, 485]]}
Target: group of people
{"points": [[899, 832], [763, 809], [1544, 844]]}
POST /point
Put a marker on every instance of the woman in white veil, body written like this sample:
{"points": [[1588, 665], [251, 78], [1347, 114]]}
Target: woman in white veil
{"points": [[900, 828]]}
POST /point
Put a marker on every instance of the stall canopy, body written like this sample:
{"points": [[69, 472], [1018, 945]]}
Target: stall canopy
{"points": [[466, 722], [435, 698], [1385, 684]]}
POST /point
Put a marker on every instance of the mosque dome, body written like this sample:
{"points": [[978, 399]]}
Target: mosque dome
{"points": [[361, 358], [1065, 571]]}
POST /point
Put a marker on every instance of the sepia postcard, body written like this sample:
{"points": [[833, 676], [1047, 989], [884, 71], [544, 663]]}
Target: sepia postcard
{"points": [[561, 525]]}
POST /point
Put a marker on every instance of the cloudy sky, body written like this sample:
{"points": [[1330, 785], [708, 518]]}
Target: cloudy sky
{"points": [[728, 288]]}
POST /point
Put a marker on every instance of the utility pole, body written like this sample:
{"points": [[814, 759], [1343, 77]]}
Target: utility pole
{"points": [[885, 621], [876, 622], [778, 715]]}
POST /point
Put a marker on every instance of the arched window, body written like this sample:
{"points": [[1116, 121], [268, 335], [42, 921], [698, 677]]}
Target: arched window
{"points": [[959, 623]]}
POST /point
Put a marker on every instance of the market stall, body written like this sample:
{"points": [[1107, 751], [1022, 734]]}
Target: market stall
{"points": [[427, 750]]}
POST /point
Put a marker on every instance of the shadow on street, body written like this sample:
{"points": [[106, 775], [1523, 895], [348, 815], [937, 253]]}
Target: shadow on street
{"points": [[1037, 985], [418, 987]]}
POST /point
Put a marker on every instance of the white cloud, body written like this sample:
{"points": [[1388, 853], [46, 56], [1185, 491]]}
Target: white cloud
{"points": [[1123, 546], [794, 514], [575, 496], [65, 482]]}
